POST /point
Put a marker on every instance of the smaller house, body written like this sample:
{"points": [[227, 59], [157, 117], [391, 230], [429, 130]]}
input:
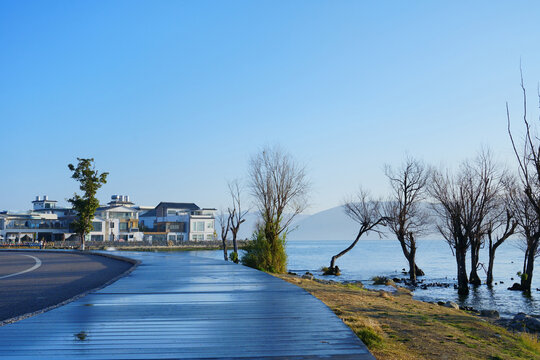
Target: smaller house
{"points": [[180, 222], [117, 222]]}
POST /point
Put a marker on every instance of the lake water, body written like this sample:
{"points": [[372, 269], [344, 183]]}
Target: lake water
{"points": [[371, 258]]}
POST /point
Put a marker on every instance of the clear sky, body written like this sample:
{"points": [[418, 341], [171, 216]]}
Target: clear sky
{"points": [[173, 97]]}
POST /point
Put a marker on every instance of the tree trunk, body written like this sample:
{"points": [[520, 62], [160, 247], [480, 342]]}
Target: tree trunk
{"points": [[526, 277], [474, 278], [489, 279], [83, 236], [333, 261], [235, 247], [224, 249], [335, 257], [463, 283], [419, 272], [412, 269], [525, 260], [412, 264]]}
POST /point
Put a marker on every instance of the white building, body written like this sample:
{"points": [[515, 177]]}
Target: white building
{"points": [[180, 222], [118, 221]]}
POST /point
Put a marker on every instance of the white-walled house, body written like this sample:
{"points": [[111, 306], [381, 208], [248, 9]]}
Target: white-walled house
{"points": [[31, 226], [118, 221], [202, 225], [180, 222]]}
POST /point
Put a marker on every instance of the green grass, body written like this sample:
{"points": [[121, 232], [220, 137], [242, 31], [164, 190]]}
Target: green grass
{"points": [[369, 337], [530, 341]]}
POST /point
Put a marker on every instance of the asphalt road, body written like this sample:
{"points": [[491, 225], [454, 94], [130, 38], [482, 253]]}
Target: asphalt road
{"points": [[34, 280]]}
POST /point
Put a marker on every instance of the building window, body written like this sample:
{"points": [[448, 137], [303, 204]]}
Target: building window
{"points": [[96, 226], [198, 237], [209, 237], [172, 237], [209, 225], [123, 226], [198, 226], [176, 227]]}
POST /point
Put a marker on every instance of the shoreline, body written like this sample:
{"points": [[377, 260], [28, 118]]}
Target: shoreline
{"points": [[396, 326], [127, 246]]}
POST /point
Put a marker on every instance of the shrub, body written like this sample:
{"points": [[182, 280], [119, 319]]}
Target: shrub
{"points": [[265, 255], [233, 257], [369, 337], [382, 280]]}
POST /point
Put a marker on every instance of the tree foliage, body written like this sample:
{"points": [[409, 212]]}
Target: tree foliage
{"points": [[86, 204]]}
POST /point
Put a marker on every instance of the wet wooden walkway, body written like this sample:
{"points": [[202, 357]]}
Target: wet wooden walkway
{"points": [[179, 306]]}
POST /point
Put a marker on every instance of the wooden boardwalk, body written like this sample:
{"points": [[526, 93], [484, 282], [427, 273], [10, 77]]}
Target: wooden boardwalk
{"points": [[179, 306]]}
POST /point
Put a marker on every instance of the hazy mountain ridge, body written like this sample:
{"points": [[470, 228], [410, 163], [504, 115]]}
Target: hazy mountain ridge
{"points": [[330, 224], [334, 224]]}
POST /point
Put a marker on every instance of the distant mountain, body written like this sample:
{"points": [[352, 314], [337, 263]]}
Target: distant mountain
{"points": [[248, 227], [331, 224], [334, 224]]}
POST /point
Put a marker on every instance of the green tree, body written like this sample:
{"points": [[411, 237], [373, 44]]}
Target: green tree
{"points": [[279, 187], [86, 205]]}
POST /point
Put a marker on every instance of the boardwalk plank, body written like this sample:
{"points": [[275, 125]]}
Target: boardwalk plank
{"points": [[182, 306]]}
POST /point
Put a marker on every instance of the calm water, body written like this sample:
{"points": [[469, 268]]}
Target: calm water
{"points": [[384, 257]]}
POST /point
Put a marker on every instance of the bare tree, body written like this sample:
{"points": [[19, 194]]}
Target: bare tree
{"points": [[529, 227], [368, 214], [403, 211], [527, 199], [236, 214], [453, 209], [279, 187], [450, 208], [486, 186], [500, 226], [224, 222], [463, 203]]}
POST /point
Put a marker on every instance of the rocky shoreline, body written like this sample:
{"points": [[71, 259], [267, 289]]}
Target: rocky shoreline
{"points": [[520, 322]]}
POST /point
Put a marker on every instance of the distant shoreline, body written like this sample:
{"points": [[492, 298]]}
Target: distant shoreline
{"points": [[129, 246]]}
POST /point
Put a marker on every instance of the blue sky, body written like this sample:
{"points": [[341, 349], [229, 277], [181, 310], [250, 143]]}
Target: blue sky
{"points": [[173, 97]]}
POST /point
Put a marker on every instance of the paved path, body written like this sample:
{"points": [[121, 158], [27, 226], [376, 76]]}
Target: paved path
{"points": [[183, 306], [34, 280]]}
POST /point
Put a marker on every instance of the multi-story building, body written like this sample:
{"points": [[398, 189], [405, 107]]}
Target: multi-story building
{"points": [[180, 222], [118, 221], [44, 222], [202, 225]]}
